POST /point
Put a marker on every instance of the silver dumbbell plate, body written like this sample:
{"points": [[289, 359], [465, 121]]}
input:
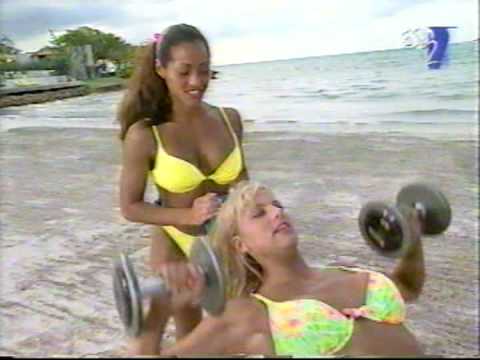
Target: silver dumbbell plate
{"points": [[213, 299], [128, 297]]}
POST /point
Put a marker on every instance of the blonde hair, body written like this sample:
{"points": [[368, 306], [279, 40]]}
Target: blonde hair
{"points": [[243, 274]]}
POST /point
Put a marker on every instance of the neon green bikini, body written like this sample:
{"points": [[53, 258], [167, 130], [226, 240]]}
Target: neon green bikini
{"points": [[310, 327]]}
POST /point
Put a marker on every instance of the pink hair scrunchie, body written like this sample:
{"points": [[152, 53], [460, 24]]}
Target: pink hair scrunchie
{"points": [[157, 39]]}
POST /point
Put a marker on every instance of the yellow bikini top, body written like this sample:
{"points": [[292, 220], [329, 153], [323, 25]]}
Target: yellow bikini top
{"points": [[179, 176]]}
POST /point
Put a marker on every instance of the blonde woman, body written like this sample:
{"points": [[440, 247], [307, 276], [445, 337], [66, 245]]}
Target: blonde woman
{"points": [[280, 305]]}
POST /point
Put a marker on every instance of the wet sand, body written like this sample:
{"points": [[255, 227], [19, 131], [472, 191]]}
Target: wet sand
{"points": [[61, 227]]}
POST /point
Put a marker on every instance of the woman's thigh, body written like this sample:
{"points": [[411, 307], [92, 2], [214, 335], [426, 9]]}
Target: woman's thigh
{"points": [[163, 249]]}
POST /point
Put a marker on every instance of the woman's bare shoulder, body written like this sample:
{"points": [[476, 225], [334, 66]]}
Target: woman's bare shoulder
{"points": [[139, 128], [235, 119], [247, 317], [246, 303], [242, 310], [228, 333], [139, 131], [234, 116], [139, 139], [232, 113]]}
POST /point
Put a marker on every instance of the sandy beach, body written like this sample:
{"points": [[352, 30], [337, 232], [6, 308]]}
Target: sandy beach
{"points": [[61, 228]]}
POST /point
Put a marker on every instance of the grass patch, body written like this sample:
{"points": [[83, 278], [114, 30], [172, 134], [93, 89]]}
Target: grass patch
{"points": [[99, 83]]}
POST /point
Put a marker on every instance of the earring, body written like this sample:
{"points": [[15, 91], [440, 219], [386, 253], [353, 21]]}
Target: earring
{"points": [[158, 72], [237, 244]]}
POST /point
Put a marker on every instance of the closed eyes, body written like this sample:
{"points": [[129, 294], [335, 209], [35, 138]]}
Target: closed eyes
{"points": [[277, 204], [260, 211]]}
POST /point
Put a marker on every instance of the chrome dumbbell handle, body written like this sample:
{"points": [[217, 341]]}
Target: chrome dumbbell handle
{"points": [[157, 287], [418, 207], [421, 210], [154, 287]]}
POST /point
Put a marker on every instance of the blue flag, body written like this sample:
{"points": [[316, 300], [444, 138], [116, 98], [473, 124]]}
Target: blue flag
{"points": [[434, 39], [437, 46]]}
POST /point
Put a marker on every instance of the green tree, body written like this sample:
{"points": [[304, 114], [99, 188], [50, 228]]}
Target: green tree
{"points": [[105, 45], [7, 47]]}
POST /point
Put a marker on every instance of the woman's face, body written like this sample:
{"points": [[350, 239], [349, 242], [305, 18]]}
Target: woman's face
{"points": [[265, 227], [187, 74]]}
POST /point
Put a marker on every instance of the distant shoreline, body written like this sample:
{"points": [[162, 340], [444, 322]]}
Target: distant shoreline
{"points": [[332, 55], [31, 95], [117, 84]]}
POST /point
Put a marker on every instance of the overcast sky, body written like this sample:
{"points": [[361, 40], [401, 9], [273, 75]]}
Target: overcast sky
{"points": [[245, 30]]}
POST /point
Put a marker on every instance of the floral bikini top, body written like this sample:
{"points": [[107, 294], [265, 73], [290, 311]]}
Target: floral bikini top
{"points": [[309, 327]]}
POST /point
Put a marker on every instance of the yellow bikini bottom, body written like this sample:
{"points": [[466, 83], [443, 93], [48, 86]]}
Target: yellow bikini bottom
{"points": [[183, 240]]}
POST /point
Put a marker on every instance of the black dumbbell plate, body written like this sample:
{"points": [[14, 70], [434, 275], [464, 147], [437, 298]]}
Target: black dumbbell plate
{"points": [[392, 241], [438, 211]]}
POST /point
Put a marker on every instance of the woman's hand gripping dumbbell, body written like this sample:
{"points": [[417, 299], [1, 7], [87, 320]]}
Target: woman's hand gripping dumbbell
{"points": [[209, 291], [388, 229]]}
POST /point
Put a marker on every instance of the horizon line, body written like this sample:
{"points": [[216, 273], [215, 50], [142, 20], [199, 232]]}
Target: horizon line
{"points": [[335, 54]]}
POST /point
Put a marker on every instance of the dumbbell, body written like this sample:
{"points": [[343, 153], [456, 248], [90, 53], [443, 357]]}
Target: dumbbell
{"points": [[386, 229], [209, 225], [129, 294]]}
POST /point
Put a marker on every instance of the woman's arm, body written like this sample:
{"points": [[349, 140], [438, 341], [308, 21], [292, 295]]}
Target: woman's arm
{"points": [[211, 337], [409, 273], [237, 124], [137, 153], [223, 334], [232, 333]]}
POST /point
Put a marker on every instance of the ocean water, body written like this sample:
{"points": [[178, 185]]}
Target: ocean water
{"points": [[382, 91], [390, 91]]}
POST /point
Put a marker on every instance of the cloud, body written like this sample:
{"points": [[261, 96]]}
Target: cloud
{"points": [[392, 7], [249, 30], [24, 19], [28, 21]]}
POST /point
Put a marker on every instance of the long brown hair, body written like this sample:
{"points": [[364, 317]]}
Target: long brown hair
{"points": [[147, 96]]}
